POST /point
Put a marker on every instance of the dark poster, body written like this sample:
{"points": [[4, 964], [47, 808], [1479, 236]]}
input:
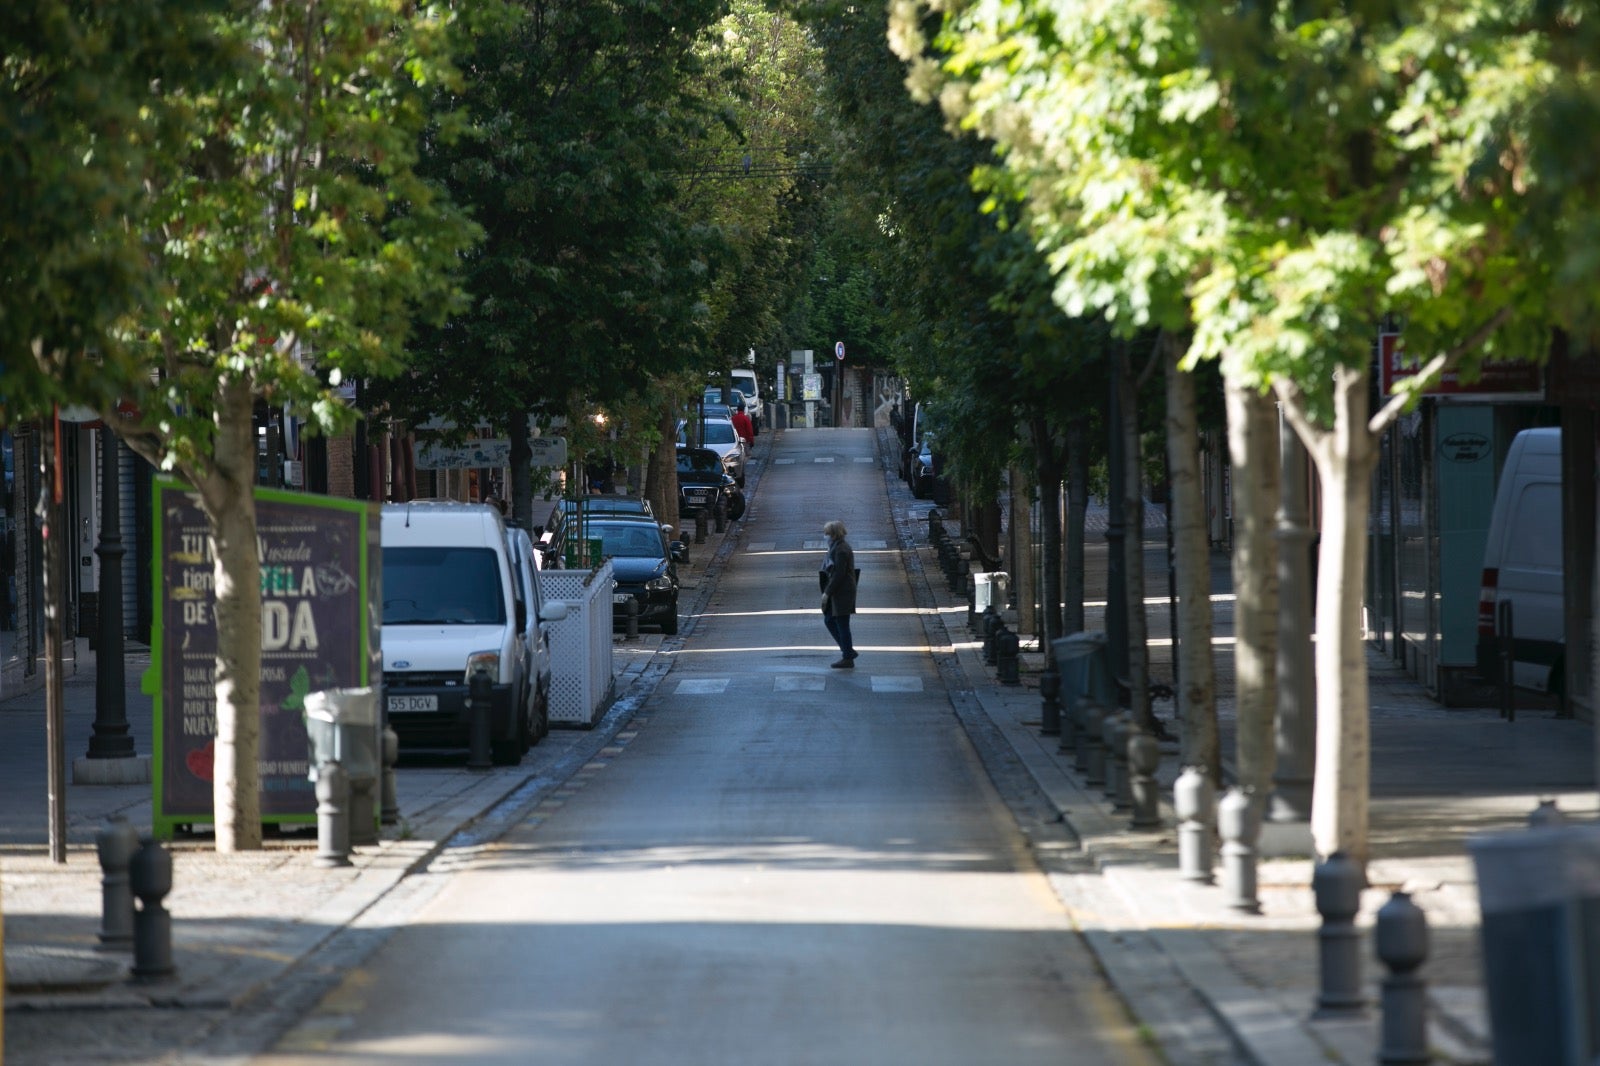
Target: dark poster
{"points": [[314, 581]]}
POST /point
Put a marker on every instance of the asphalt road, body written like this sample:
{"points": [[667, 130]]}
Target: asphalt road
{"points": [[776, 862]]}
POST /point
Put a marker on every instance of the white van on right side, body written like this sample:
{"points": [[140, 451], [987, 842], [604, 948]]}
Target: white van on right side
{"points": [[1522, 566]]}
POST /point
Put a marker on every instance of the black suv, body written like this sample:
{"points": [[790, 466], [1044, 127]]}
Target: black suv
{"points": [[702, 485]]}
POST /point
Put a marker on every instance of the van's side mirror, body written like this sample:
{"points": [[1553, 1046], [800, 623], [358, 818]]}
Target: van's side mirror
{"points": [[553, 611]]}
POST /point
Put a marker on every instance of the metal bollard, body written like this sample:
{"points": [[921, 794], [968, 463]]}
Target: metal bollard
{"points": [[720, 518], [1144, 759], [1193, 798], [480, 711], [960, 567], [700, 527], [150, 877], [389, 811], [1006, 657], [1050, 699], [1546, 816], [333, 816], [116, 844], [935, 524], [631, 613], [1239, 822], [991, 628], [1337, 882], [1401, 939], [1093, 748], [1108, 743], [362, 806], [972, 600]]}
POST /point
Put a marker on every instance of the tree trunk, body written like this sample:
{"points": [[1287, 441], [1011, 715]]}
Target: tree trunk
{"points": [[1253, 452], [1047, 456], [1133, 553], [1345, 458], [228, 498], [1023, 579], [1197, 689], [1077, 514], [521, 473], [662, 484]]}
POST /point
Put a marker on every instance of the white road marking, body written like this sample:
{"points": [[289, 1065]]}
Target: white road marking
{"points": [[799, 683], [702, 686], [891, 683]]}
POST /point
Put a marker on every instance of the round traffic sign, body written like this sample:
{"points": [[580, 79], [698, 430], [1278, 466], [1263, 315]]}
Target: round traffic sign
{"points": [[838, 351]]}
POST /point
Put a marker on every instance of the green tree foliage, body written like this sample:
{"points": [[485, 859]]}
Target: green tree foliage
{"points": [[287, 243], [80, 132]]}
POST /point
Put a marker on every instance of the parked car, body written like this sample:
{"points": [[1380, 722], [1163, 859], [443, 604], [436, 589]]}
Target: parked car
{"points": [[924, 469], [719, 435], [645, 564], [536, 630], [744, 379], [451, 611], [703, 485], [1522, 566]]}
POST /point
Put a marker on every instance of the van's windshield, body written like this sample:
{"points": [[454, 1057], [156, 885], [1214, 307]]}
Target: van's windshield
{"points": [[442, 586]]}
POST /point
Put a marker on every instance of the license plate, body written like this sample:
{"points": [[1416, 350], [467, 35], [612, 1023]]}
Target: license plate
{"points": [[621, 597], [402, 704]]}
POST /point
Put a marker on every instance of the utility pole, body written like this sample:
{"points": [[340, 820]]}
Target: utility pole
{"points": [[49, 510]]}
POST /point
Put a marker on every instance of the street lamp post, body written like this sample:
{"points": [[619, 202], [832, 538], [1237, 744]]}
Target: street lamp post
{"points": [[110, 739]]}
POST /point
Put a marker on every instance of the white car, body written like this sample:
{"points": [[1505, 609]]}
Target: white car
{"points": [[722, 438]]}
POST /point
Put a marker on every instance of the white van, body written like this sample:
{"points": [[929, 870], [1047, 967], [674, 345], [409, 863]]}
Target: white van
{"points": [[525, 563], [451, 609], [1522, 566], [744, 379]]}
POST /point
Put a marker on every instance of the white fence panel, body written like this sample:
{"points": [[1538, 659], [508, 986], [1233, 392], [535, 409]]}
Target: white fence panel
{"points": [[580, 644]]}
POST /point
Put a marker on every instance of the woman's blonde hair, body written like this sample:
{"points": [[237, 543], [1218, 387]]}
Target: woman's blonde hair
{"points": [[833, 529]]}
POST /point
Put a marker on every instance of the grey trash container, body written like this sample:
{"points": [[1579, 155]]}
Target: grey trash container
{"points": [[989, 590], [1539, 891], [1084, 662], [342, 725]]}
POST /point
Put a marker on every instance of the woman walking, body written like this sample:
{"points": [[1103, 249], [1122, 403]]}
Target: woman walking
{"points": [[838, 580]]}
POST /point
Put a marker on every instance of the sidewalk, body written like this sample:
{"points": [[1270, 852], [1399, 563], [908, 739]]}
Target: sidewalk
{"points": [[1183, 959], [248, 928], [1210, 984]]}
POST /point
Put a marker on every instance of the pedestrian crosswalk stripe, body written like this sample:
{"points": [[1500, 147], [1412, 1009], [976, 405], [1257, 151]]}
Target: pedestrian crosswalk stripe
{"points": [[799, 683], [863, 459], [761, 546], [860, 545], [891, 683], [782, 462], [702, 686], [865, 544], [823, 459]]}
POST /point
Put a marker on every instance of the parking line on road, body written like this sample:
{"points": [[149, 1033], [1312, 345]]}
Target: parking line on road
{"points": [[702, 686], [893, 683], [799, 683]]}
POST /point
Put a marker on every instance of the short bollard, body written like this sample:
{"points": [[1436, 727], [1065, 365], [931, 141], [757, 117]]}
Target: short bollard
{"points": [[935, 526], [992, 626], [960, 568], [1401, 939], [333, 816], [1193, 798], [1337, 882], [1108, 744], [389, 812], [480, 699], [720, 518], [700, 527], [1144, 759], [1093, 747], [631, 612], [1239, 823], [972, 600], [116, 843], [1050, 699], [1079, 713], [1007, 657], [150, 877], [362, 806], [1546, 816], [1121, 733]]}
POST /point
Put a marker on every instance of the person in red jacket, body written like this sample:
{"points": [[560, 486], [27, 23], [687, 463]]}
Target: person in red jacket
{"points": [[743, 426]]}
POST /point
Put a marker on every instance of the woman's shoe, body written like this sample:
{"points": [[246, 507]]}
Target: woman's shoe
{"points": [[843, 664]]}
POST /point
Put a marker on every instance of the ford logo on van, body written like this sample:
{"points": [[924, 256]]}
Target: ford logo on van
{"points": [[400, 664]]}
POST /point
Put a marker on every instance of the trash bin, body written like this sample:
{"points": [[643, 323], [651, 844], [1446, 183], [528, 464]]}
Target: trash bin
{"points": [[1539, 893], [989, 590], [1084, 662], [342, 726]]}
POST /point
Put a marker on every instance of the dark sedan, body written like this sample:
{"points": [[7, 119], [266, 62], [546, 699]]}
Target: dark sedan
{"points": [[703, 485], [643, 563]]}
